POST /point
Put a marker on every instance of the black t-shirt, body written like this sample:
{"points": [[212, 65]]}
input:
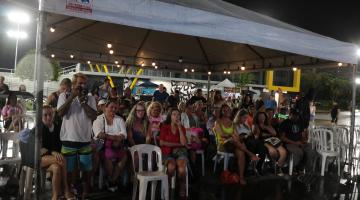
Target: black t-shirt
{"points": [[292, 129], [194, 99], [51, 140], [173, 101]]}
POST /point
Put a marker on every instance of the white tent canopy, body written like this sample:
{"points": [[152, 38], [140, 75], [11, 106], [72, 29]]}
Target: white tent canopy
{"points": [[204, 32], [226, 84]]}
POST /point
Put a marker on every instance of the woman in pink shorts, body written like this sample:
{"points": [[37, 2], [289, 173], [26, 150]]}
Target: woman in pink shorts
{"points": [[111, 128]]}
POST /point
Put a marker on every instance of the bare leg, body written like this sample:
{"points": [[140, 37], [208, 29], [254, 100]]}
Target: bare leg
{"points": [[171, 166], [240, 155], [119, 168], [109, 168], [181, 168], [55, 169], [282, 156]]}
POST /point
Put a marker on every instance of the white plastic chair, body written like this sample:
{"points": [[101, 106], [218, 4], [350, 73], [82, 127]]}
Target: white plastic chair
{"points": [[221, 155], [324, 145], [142, 178]]}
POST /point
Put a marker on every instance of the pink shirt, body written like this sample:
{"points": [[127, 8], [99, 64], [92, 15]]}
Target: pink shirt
{"points": [[9, 110], [155, 123]]}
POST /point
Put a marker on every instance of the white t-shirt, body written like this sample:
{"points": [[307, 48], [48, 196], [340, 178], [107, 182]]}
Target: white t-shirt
{"points": [[76, 125], [241, 129], [117, 128]]}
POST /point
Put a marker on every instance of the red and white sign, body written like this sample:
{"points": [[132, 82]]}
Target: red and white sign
{"points": [[82, 6]]}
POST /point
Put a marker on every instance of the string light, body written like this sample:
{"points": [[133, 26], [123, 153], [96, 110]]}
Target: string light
{"points": [[111, 51], [53, 55], [88, 62], [116, 62], [156, 66], [71, 56], [109, 45], [192, 70], [185, 70], [153, 64]]}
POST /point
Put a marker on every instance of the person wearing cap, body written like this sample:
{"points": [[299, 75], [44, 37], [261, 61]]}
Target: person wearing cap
{"points": [[101, 106], [294, 136]]}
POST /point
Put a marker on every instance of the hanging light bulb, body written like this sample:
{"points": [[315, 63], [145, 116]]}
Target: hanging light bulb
{"points": [[53, 55], [88, 62], [111, 51], [71, 56], [209, 73], [185, 70], [294, 69], [153, 64], [242, 68], [156, 66], [192, 70], [52, 29], [109, 45], [228, 72], [116, 62]]}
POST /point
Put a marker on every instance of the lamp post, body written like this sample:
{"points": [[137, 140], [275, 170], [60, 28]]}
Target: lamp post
{"points": [[18, 18]]}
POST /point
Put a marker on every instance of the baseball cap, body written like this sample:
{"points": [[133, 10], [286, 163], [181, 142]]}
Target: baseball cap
{"points": [[102, 102]]}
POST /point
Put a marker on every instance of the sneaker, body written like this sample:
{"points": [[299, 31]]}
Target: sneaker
{"points": [[112, 187], [280, 172]]}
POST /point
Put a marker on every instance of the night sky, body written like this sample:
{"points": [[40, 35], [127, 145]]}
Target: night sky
{"points": [[336, 19]]}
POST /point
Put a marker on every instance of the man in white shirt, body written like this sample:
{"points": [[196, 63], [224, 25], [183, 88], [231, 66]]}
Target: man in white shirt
{"points": [[77, 110]]}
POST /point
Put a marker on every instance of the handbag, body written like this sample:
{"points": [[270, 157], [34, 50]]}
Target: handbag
{"points": [[273, 141]]}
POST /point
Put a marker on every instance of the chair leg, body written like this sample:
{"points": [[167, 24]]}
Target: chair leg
{"points": [[22, 181], [142, 190], [165, 188], [135, 186], [187, 182], [323, 163], [28, 183], [291, 164], [101, 177], [338, 164], [153, 189], [215, 162], [226, 162], [203, 164]]}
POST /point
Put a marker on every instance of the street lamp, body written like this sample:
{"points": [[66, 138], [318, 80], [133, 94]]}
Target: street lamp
{"points": [[18, 18]]}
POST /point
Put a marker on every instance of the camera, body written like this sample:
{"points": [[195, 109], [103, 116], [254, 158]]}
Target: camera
{"points": [[84, 91]]}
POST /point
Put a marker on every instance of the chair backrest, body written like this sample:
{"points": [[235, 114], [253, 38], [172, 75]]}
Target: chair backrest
{"points": [[324, 139], [341, 135], [148, 150]]}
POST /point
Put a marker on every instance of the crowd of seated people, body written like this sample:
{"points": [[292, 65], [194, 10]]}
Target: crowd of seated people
{"points": [[87, 130]]}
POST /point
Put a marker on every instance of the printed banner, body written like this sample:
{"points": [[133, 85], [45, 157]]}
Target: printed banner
{"points": [[81, 6]]}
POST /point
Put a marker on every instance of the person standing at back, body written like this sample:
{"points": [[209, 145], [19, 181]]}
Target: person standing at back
{"points": [[3, 89], [160, 95], [77, 110]]}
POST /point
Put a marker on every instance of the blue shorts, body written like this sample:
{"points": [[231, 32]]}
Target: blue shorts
{"points": [[81, 156]]}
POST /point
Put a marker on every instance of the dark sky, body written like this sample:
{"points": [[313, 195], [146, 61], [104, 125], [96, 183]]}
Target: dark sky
{"points": [[336, 19]]}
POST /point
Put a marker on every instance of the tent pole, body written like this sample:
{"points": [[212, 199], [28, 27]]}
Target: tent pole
{"points": [[352, 122], [39, 76]]}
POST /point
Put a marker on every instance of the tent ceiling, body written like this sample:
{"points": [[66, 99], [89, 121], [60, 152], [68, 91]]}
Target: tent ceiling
{"points": [[207, 34], [87, 40]]}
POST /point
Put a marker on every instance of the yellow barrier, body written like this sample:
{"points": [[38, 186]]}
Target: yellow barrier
{"points": [[109, 77], [136, 79], [91, 68]]}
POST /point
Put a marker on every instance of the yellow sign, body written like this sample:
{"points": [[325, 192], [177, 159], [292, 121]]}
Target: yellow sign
{"points": [[294, 88]]}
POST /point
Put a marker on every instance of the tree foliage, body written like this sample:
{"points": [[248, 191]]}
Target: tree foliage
{"points": [[25, 67], [329, 87]]}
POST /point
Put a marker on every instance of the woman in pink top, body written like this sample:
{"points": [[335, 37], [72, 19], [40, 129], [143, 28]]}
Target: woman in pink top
{"points": [[10, 110], [155, 119]]}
